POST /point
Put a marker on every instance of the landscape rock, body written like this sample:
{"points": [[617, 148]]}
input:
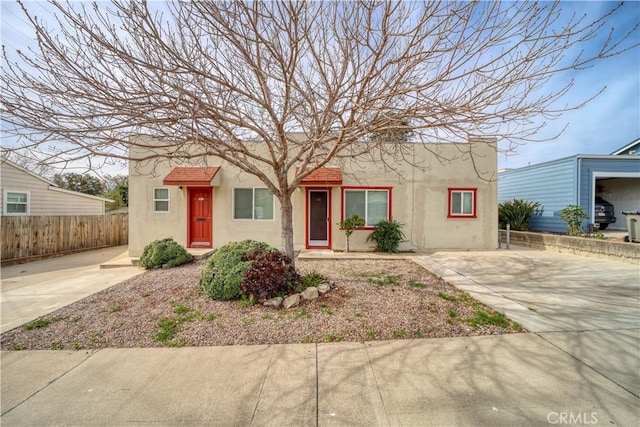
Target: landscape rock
{"points": [[273, 302], [291, 301], [324, 288], [310, 293]]}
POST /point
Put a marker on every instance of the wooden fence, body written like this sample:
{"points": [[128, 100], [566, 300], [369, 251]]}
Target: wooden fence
{"points": [[33, 236]]}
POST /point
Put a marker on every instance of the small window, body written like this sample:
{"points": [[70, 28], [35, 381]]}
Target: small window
{"points": [[252, 203], [370, 204], [462, 203], [161, 200], [16, 202]]}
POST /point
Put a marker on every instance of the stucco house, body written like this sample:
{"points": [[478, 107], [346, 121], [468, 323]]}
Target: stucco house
{"points": [[450, 203], [25, 193], [582, 179]]}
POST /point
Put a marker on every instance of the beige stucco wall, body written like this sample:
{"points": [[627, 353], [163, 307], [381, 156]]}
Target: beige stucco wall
{"points": [[419, 201], [145, 225], [420, 198], [43, 199]]}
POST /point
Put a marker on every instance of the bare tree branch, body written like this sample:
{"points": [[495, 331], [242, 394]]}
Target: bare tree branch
{"points": [[198, 79]]}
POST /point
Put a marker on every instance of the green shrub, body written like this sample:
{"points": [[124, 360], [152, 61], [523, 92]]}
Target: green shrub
{"points": [[164, 252], [387, 235], [517, 213], [573, 216], [221, 277], [270, 274]]}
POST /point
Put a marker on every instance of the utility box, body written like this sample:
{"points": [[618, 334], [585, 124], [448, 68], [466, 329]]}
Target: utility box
{"points": [[633, 226]]}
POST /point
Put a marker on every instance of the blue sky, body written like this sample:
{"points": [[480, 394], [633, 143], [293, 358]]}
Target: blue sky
{"points": [[610, 121], [607, 123]]}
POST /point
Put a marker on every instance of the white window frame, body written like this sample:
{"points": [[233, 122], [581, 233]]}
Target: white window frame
{"points": [[5, 194], [168, 200], [253, 204], [366, 191]]}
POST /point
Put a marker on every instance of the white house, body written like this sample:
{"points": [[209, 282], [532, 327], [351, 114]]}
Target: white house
{"points": [[25, 193]]}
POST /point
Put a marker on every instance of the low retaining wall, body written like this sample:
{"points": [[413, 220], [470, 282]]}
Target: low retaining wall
{"points": [[620, 251]]}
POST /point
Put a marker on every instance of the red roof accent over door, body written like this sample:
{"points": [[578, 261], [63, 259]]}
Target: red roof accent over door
{"points": [[191, 176], [323, 176]]}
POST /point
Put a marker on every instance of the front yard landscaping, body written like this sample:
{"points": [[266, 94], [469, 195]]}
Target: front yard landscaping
{"points": [[370, 300]]}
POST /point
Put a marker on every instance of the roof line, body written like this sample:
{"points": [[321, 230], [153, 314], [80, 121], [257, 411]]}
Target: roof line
{"points": [[576, 156], [626, 147], [17, 166], [77, 193], [52, 186], [606, 156]]}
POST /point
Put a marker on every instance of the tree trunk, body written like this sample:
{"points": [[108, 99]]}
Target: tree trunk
{"points": [[286, 217]]}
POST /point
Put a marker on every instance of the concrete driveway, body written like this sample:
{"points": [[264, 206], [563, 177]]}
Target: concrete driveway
{"points": [[587, 307], [30, 290]]}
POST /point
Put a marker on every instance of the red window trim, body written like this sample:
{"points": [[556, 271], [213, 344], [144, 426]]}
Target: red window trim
{"points": [[389, 204], [475, 199]]}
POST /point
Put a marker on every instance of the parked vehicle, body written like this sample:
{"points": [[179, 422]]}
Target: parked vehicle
{"points": [[604, 213]]}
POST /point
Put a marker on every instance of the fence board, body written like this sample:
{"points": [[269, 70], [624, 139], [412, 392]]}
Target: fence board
{"points": [[28, 236]]}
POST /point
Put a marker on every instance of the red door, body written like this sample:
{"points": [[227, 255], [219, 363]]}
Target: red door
{"points": [[200, 221]]}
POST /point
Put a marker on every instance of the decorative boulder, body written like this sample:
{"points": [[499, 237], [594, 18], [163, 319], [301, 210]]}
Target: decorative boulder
{"points": [[292, 301], [310, 293], [273, 302], [324, 288]]}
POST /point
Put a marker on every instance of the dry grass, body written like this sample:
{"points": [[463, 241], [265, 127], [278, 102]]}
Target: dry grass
{"points": [[372, 300]]}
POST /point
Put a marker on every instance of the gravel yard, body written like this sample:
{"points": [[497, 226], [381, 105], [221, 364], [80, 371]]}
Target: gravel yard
{"points": [[372, 300]]}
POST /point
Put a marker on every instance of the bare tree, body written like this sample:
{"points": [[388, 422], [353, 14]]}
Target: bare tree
{"points": [[29, 162], [218, 74]]}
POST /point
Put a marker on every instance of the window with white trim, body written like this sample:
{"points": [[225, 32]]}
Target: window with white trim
{"points": [[372, 205], [252, 203], [161, 200], [16, 202], [462, 203]]}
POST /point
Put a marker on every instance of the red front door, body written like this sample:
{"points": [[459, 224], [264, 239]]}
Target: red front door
{"points": [[200, 221]]}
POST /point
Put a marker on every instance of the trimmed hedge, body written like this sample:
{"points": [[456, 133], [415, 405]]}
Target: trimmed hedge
{"points": [[164, 252], [222, 275]]}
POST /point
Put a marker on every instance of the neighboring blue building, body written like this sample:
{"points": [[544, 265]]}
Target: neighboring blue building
{"points": [[631, 149], [576, 180]]}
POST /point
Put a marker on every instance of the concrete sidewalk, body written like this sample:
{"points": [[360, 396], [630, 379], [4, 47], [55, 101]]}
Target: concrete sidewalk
{"points": [[580, 366], [495, 380]]}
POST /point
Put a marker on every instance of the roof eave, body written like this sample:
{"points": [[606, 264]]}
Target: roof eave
{"points": [[77, 193]]}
